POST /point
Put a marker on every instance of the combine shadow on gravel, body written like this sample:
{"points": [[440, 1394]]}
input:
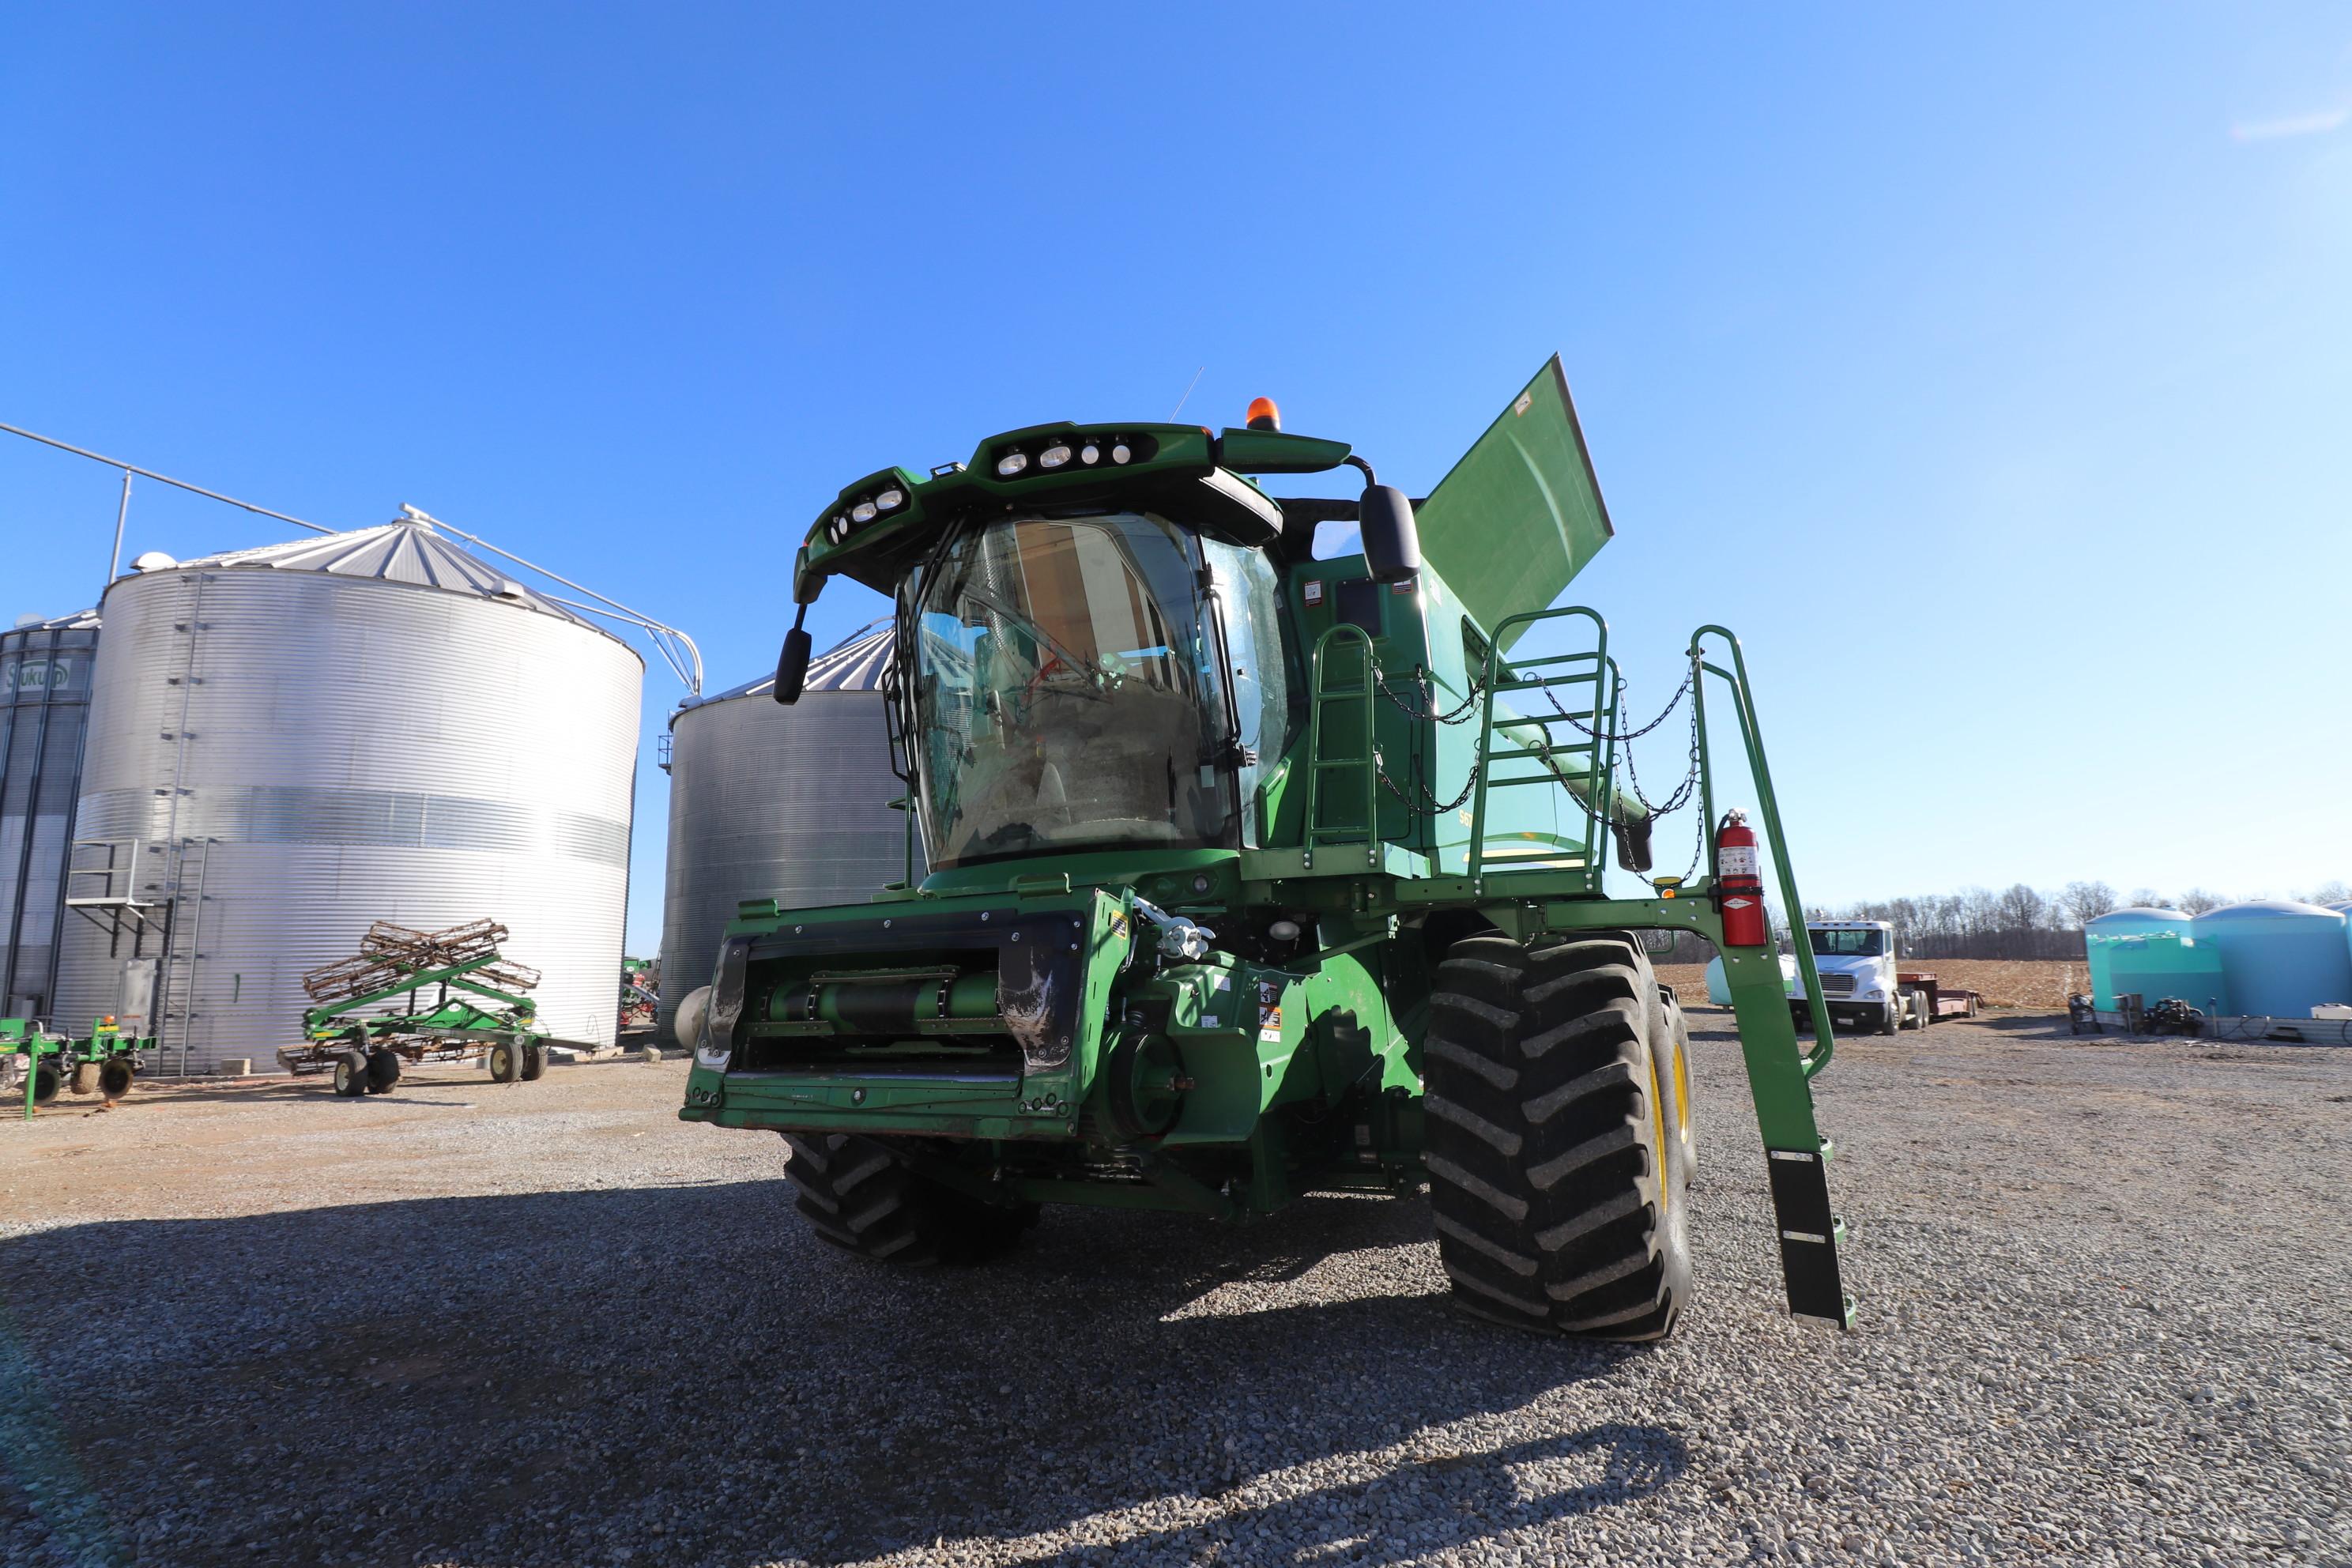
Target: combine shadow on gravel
{"points": [[1421, 1507], [684, 1374]]}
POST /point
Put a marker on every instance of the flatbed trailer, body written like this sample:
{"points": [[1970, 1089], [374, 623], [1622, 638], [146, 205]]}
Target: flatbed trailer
{"points": [[1934, 1000], [478, 1010]]}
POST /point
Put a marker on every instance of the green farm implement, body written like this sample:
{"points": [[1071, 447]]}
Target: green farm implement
{"points": [[372, 1012], [1258, 871], [41, 1065]]}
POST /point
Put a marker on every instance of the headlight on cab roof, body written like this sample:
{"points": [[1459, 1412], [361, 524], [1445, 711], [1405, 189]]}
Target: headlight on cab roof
{"points": [[883, 497], [1054, 454]]}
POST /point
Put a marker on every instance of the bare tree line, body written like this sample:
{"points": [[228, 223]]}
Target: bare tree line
{"points": [[2022, 922], [2019, 922]]}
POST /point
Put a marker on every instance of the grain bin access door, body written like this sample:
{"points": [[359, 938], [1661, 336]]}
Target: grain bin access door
{"points": [[1521, 513]]}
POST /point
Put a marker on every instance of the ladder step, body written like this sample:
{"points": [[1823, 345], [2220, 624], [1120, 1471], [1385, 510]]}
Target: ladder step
{"points": [[1585, 719]]}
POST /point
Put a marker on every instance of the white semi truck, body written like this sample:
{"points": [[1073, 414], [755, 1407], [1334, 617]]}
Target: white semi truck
{"points": [[1860, 981]]}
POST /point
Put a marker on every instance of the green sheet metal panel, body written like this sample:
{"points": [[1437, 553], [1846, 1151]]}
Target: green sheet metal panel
{"points": [[1517, 517]]}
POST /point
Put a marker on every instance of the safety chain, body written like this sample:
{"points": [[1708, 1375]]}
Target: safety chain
{"points": [[1427, 806], [1682, 794], [1623, 686], [1460, 715]]}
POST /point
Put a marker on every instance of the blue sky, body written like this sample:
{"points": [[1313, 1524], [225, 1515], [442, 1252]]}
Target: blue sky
{"points": [[1991, 373]]}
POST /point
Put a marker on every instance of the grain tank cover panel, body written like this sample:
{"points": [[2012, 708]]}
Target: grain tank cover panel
{"points": [[1521, 513]]}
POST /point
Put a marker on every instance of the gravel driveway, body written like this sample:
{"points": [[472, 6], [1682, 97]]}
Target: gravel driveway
{"points": [[2106, 1317]]}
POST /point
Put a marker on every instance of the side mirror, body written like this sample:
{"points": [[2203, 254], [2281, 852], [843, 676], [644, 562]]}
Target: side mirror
{"points": [[792, 667], [1391, 540]]}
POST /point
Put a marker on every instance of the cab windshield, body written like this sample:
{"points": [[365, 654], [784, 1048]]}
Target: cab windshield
{"points": [[1067, 690], [1848, 943]]}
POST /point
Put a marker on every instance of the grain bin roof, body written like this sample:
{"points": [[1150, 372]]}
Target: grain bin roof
{"points": [[855, 664], [80, 620], [405, 552]]}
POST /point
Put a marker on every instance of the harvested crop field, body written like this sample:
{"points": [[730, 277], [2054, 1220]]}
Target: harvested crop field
{"points": [[2102, 1294], [2003, 982]]}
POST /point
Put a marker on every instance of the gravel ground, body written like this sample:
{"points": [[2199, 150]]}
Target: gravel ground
{"points": [[2105, 1320]]}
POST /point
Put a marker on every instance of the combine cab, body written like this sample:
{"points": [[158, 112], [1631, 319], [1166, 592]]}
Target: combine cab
{"points": [[1256, 874]]}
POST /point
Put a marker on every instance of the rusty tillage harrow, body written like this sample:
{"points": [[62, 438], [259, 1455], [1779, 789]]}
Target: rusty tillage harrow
{"points": [[478, 1008]]}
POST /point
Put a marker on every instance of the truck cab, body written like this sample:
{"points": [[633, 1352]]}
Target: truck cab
{"points": [[1856, 961], [1859, 982]]}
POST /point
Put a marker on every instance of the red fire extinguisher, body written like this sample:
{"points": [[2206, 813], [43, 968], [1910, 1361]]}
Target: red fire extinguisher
{"points": [[1740, 884]]}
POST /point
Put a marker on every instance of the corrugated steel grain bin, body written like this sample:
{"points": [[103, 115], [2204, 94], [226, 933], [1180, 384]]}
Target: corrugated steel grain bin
{"points": [[45, 675], [290, 742], [767, 801]]}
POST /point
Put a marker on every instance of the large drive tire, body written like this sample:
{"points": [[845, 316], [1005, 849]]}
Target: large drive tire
{"points": [[1554, 1152], [1670, 1045], [858, 1196]]}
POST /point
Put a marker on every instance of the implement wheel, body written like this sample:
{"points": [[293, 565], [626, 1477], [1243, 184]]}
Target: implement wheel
{"points": [[115, 1076], [351, 1074], [857, 1194], [505, 1061], [534, 1061], [1558, 1149], [47, 1083], [85, 1078], [382, 1070]]}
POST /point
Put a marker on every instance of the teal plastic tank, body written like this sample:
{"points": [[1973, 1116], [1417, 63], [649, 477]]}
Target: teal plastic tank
{"points": [[2161, 963], [2281, 959], [2100, 934]]}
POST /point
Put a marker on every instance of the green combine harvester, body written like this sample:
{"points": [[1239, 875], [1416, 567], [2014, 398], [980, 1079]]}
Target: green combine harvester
{"points": [[41, 1066], [1255, 875]]}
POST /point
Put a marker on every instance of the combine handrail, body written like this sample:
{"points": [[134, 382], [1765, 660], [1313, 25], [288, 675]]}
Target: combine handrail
{"points": [[1604, 678], [1752, 737]]}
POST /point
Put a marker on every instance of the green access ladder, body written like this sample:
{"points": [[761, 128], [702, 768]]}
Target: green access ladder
{"points": [[1528, 893]]}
